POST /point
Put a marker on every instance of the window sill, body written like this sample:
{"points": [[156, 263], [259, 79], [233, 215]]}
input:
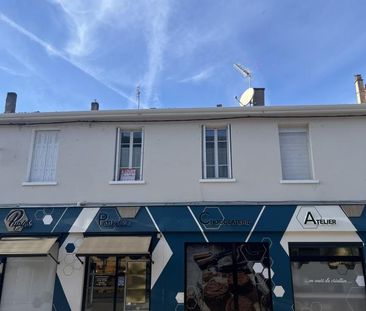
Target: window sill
{"points": [[39, 183], [305, 181], [217, 180], [127, 182]]}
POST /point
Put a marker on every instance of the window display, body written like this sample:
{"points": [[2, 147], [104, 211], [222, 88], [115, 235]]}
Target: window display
{"points": [[328, 278], [227, 277]]}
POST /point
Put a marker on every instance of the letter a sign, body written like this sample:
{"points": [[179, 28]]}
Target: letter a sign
{"points": [[309, 217]]}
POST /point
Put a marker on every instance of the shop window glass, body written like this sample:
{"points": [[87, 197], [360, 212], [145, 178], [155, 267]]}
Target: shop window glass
{"points": [[2, 265], [227, 276], [328, 278], [28, 284], [117, 283]]}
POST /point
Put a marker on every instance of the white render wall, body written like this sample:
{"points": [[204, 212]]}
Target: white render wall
{"points": [[172, 163]]}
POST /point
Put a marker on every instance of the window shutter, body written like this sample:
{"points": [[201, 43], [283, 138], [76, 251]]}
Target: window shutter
{"points": [[295, 158], [44, 158]]}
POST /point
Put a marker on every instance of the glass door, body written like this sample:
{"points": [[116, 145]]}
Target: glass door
{"points": [[100, 287], [121, 285], [137, 297], [117, 283]]}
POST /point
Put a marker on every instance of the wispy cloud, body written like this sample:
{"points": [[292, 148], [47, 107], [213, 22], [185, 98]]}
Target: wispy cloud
{"points": [[88, 21], [13, 72], [199, 77], [55, 52], [157, 39], [84, 19]]}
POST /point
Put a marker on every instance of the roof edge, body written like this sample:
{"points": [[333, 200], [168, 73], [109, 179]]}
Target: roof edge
{"points": [[184, 114]]}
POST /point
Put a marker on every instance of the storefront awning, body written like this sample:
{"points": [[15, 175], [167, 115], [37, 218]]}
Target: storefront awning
{"points": [[115, 245], [26, 246]]}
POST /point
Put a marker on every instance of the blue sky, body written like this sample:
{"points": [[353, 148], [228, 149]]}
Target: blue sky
{"points": [[62, 54]]}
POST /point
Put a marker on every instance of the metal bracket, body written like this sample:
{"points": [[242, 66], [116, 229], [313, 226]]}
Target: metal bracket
{"points": [[78, 258], [55, 260]]}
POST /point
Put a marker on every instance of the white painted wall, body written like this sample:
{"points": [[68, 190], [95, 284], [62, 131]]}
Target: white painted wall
{"points": [[172, 163]]}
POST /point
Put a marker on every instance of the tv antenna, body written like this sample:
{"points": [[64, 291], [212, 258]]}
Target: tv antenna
{"points": [[245, 72], [247, 97], [138, 95]]}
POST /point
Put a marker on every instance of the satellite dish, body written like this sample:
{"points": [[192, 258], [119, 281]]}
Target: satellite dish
{"points": [[247, 97]]}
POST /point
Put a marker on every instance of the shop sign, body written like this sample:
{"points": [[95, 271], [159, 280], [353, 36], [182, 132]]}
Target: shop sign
{"points": [[310, 218], [106, 222], [17, 220], [213, 218]]}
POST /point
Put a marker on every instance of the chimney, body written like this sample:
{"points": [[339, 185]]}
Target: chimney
{"points": [[11, 101], [360, 90], [258, 98], [94, 105]]}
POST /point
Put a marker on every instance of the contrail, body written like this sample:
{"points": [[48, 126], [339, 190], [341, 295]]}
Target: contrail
{"points": [[157, 41], [51, 50]]}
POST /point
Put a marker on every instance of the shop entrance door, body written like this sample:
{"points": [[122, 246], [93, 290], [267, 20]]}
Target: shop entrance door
{"points": [[117, 283]]}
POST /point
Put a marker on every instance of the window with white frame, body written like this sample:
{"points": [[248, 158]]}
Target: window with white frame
{"points": [[216, 152], [129, 155], [295, 153], [44, 156]]}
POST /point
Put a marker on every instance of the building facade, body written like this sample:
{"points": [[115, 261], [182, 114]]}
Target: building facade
{"points": [[258, 208]]}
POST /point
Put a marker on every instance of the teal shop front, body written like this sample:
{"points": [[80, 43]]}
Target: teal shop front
{"points": [[198, 258]]}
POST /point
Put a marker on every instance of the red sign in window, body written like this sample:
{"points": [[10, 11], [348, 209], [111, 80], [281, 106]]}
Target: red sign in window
{"points": [[128, 174]]}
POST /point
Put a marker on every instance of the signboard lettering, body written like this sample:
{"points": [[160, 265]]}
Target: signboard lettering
{"points": [[213, 218], [105, 221], [310, 218], [17, 220]]}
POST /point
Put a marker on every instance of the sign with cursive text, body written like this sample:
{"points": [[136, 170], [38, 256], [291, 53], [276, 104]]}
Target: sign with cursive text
{"points": [[17, 220]]}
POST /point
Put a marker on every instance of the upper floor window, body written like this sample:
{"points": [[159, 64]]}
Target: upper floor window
{"points": [[129, 155], [295, 153], [44, 156], [216, 152]]}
